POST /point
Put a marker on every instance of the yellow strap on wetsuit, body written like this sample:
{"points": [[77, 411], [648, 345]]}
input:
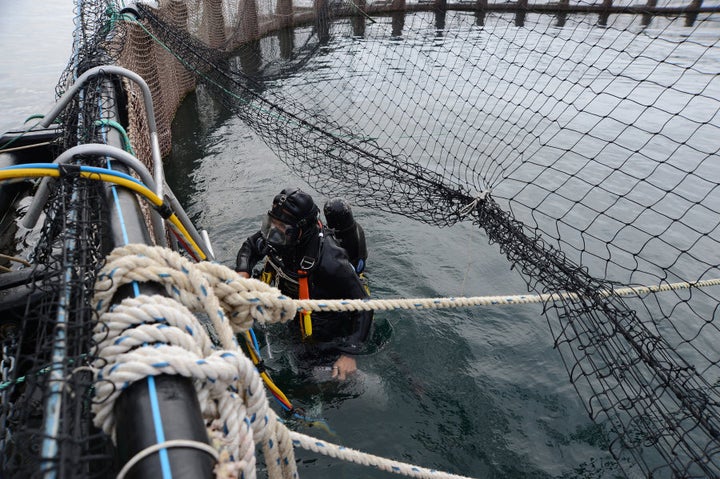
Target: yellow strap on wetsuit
{"points": [[267, 277], [304, 293]]}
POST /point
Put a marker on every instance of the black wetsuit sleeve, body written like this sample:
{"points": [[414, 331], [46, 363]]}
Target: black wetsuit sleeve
{"points": [[251, 251], [345, 284], [362, 322]]}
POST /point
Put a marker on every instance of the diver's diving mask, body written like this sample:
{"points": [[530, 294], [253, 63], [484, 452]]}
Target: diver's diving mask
{"points": [[277, 233]]}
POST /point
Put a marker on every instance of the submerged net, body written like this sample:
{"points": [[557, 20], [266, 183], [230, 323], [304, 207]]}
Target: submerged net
{"points": [[584, 142]]}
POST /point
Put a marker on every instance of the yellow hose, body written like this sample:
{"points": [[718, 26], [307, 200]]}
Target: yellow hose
{"points": [[138, 188]]}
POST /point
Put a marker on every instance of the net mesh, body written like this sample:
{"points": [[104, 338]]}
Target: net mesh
{"points": [[588, 141], [582, 138], [47, 386]]}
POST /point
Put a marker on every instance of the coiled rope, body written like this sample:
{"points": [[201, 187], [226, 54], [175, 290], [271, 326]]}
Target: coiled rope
{"points": [[152, 335]]}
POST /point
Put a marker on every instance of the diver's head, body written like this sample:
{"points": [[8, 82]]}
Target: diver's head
{"points": [[291, 220], [338, 214]]}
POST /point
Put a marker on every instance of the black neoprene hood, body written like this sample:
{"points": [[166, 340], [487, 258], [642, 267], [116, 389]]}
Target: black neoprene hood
{"points": [[294, 207], [338, 214]]}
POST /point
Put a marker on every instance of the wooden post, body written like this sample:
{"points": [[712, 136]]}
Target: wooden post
{"points": [[358, 19], [360, 4], [286, 38], [647, 17], [398, 23], [603, 19], [480, 12], [440, 16], [562, 15], [692, 15], [284, 11], [520, 13], [322, 20]]}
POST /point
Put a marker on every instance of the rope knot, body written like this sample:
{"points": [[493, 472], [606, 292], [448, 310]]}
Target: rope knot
{"points": [[152, 335], [465, 210], [247, 299]]}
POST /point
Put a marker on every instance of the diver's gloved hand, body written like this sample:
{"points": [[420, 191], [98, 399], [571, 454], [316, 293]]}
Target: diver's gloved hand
{"points": [[344, 366], [251, 251]]}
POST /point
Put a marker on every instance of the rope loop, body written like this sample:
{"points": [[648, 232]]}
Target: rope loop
{"points": [[152, 335], [247, 299]]}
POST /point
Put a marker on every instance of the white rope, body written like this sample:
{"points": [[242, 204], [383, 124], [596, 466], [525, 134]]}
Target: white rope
{"points": [[166, 445], [465, 210], [243, 297], [152, 335], [462, 302], [352, 455]]}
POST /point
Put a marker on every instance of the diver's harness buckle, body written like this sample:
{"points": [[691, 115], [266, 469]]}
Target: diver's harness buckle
{"points": [[307, 263]]}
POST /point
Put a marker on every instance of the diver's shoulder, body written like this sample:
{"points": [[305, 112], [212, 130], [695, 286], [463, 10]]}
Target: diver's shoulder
{"points": [[332, 256]]}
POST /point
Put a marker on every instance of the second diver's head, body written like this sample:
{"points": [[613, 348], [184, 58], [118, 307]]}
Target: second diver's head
{"points": [[338, 214], [291, 220]]}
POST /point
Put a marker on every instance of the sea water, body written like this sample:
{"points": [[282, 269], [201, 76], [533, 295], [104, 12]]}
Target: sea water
{"points": [[473, 391], [36, 41]]}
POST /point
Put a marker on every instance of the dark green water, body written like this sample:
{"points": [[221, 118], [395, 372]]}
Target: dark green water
{"points": [[478, 392]]}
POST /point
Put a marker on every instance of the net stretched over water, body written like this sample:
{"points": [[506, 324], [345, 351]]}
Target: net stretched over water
{"points": [[584, 144], [582, 138]]}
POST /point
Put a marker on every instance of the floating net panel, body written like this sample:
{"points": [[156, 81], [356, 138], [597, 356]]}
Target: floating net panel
{"points": [[583, 139], [584, 144]]}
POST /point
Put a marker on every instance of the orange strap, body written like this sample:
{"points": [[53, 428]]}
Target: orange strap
{"points": [[304, 293]]}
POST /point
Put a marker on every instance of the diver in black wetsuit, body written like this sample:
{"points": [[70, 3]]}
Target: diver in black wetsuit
{"points": [[348, 233], [305, 262]]}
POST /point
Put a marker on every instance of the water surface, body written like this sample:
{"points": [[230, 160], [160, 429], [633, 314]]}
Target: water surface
{"points": [[477, 391], [36, 41]]}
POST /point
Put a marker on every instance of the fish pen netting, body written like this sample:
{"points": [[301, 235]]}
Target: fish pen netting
{"points": [[582, 144], [47, 393]]}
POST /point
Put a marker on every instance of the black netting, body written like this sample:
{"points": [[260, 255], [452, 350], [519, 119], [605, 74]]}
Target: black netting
{"points": [[583, 141], [47, 392], [591, 141]]}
